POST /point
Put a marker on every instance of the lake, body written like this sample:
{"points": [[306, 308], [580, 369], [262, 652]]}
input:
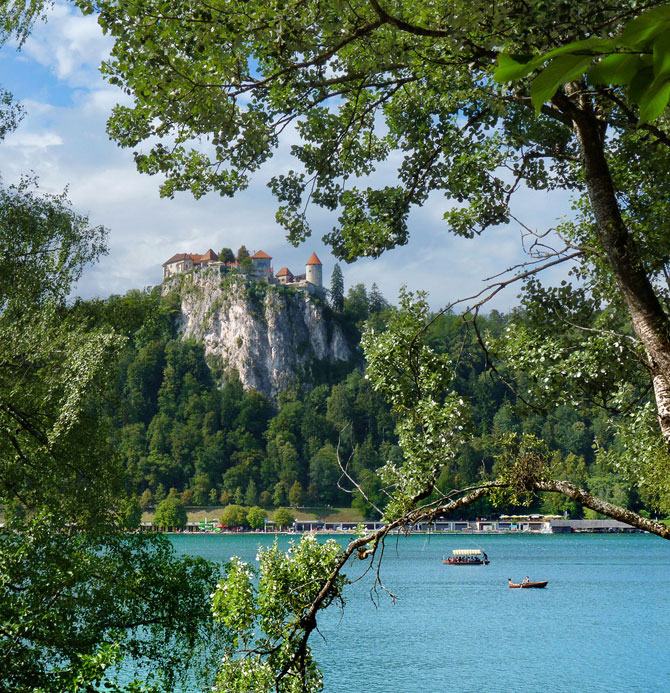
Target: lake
{"points": [[601, 624]]}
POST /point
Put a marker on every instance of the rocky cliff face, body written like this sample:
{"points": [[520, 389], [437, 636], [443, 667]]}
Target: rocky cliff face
{"points": [[270, 335]]}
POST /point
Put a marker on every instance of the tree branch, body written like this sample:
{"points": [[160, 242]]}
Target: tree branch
{"points": [[588, 500]]}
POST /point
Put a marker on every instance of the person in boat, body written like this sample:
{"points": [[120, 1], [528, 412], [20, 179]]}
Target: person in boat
{"points": [[526, 580], [484, 557]]}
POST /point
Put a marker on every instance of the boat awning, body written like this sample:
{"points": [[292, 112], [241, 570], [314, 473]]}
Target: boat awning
{"points": [[466, 552]]}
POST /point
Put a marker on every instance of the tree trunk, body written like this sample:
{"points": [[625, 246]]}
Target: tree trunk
{"points": [[649, 320]]}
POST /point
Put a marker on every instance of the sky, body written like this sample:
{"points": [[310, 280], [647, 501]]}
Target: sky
{"points": [[62, 140]]}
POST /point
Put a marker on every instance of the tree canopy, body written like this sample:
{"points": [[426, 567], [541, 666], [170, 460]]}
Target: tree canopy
{"points": [[79, 594], [170, 513]]}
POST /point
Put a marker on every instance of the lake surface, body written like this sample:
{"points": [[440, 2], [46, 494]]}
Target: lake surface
{"points": [[601, 624]]}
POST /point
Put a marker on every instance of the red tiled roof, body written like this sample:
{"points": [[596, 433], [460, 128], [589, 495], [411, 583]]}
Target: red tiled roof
{"points": [[260, 255], [176, 258], [210, 255], [314, 260], [284, 272]]}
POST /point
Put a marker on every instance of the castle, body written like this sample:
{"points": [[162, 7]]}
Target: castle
{"points": [[261, 268]]}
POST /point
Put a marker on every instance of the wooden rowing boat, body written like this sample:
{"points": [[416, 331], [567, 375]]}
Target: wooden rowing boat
{"points": [[528, 584]]}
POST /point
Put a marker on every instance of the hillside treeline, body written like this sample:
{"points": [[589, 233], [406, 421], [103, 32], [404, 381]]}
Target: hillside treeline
{"points": [[175, 427]]}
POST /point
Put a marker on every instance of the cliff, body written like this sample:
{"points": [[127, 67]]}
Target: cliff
{"points": [[272, 336]]}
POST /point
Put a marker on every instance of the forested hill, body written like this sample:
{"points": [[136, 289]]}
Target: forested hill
{"points": [[178, 423]]}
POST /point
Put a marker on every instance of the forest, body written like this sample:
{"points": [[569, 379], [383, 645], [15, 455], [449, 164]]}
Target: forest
{"points": [[175, 426]]}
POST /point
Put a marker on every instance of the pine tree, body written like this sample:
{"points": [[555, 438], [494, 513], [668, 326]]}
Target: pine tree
{"points": [[147, 498], [378, 304], [251, 495], [295, 495], [337, 289]]}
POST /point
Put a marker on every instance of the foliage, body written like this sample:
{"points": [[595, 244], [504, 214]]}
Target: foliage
{"points": [[295, 494], [53, 367], [170, 512], [337, 289], [358, 82], [256, 517], [17, 19], [234, 516], [431, 417], [267, 613], [522, 463], [68, 596], [227, 256], [77, 593], [218, 441], [283, 517], [130, 514], [146, 499], [638, 57]]}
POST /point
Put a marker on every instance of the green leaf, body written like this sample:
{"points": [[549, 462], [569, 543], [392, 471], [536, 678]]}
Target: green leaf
{"points": [[645, 27], [619, 68], [655, 99], [558, 72], [639, 84], [661, 56], [591, 46], [510, 69]]}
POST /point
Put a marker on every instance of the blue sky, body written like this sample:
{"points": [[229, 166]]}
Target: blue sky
{"points": [[62, 140]]}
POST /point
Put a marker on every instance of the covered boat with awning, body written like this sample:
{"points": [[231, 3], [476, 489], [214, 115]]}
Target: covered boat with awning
{"points": [[467, 557]]}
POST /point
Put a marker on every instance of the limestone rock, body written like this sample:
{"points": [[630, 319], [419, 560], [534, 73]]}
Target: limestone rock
{"points": [[270, 335]]}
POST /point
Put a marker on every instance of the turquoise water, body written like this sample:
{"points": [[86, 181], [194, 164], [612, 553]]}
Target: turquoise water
{"points": [[601, 624]]}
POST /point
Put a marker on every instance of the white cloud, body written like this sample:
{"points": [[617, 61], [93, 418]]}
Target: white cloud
{"points": [[69, 44], [33, 140], [67, 145], [99, 102]]}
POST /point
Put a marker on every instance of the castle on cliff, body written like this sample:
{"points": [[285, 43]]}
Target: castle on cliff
{"points": [[260, 268]]}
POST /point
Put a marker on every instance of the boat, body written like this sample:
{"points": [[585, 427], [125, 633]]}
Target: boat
{"points": [[466, 557], [537, 585]]}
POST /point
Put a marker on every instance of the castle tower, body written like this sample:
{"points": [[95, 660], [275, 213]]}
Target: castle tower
{"points": [[261, 262], [314, 271]]}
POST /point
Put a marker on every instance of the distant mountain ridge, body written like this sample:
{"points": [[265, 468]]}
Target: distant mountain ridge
{"points": [[273, 337]]}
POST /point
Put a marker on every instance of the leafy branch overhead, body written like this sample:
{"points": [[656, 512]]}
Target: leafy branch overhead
{"points": [[638, 58]]}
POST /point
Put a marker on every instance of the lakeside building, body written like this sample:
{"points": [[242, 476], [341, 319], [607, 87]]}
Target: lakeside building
{"points": [[534, 524]]}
